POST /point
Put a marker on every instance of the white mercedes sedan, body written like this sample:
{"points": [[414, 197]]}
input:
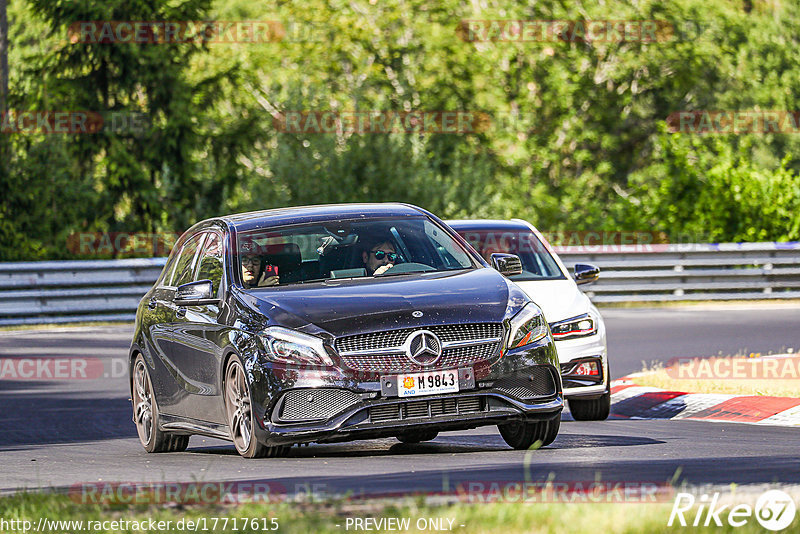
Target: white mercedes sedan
{"points": [[577, 325]]}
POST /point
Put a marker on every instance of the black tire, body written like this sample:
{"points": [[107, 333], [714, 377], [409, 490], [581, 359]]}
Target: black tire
{"points": [[145, 414], [525, 435], [418, 436], [238, 410], [590, 409]]}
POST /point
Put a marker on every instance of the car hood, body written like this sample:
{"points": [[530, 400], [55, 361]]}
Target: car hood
{"points": [[346, 307], [558, 299]]}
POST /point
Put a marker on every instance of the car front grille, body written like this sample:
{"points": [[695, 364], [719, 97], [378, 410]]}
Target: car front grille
{"points": [[387, 356], [535, 383], [315, 404], [426, 409]]}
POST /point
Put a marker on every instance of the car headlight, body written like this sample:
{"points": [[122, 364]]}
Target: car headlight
{"points": [[581, 326], [288, 346], [528, 326]]}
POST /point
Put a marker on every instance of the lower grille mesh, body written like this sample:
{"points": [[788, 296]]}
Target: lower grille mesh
{"points": [[316, 404], [426, 408], [535, 383]]}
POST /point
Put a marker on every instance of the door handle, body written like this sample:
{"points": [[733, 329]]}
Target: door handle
{"points": [[152, 304], [181, 312]]}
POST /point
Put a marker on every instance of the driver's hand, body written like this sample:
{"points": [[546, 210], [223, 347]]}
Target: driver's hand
{"points": [[265, 280], [382, 269]]}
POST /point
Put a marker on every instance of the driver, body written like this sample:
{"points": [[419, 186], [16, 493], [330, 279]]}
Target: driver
{"points": [[379, 258]]}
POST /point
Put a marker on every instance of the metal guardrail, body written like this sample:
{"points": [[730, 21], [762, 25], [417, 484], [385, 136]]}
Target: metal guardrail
{"points": [[74, 291], [83, 291], [720, 271]]}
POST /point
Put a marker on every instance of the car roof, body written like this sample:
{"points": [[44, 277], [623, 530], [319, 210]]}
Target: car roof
{"points": [[310, 214], [487, 224]]}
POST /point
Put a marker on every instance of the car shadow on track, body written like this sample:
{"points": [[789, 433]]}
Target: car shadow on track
{"points": [[473, 443]]}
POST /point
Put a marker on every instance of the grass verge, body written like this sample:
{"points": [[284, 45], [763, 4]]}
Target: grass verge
{"points": [[331, 517]]}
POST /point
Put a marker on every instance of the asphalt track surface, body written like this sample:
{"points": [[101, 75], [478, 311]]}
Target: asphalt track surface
{"points": [[64, 433]]}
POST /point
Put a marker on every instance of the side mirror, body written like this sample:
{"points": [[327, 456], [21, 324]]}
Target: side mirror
{"points": [[586, 273], [196, 294], [507, 264]]}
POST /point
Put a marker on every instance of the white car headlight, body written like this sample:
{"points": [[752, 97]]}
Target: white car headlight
{"points": [[528, 326], [288, 346], [581, 326]]}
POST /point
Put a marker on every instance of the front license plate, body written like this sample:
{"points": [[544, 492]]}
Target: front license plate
{"points": [[432, 383]]}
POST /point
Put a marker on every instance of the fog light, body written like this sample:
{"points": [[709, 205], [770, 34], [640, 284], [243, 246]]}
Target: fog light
{"points": [[587, 369]]}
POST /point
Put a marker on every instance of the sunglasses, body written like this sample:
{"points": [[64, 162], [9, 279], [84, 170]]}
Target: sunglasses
{"points": [[380, 254], [250, 260]]}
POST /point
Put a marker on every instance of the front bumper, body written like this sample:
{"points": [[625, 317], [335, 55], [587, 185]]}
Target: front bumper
{"points": [[352, 406], [360, 422]]}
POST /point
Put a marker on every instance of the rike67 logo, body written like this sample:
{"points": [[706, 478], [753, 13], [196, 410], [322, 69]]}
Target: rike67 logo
{"points": [[774, 510]]}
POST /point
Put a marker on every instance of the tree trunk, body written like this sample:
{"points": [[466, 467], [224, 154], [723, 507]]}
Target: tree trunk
{"points": [[3, 56]]}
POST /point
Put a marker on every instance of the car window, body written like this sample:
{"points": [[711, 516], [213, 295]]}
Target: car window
{"points": [[211, 261], [184, 267], [450, 253], [343, 249], [166, 273], [537, 263]]}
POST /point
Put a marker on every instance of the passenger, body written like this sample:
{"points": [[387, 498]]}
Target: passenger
{"points": [[251, 269], [379, 258]]}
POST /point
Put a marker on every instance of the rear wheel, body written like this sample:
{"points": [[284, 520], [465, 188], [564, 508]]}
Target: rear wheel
{"points": [[590, 409], [524, 435], [145, 414], [418, 436], [240, 415]]}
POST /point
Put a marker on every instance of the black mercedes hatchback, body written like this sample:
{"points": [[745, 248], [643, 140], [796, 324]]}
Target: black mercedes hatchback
{"points": [[334, 323]]}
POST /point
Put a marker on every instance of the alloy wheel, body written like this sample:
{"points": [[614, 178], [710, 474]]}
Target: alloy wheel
{"points": [[143, 402], [237, 403]]}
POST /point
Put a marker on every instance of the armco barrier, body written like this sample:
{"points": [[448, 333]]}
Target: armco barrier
{"points": [[77, 291], [74, 291], [718, 271]]}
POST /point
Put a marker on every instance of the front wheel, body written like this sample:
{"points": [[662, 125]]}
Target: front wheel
{"points": [[524, 435], [145, 414], [240, 415], [590, 409]]}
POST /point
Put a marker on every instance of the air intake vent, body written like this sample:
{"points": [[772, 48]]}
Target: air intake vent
{"points": [[426, 409], [316, 404], [535, 383]]}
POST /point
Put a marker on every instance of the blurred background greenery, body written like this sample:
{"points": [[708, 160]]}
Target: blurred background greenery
{"points": [[583, 142]]}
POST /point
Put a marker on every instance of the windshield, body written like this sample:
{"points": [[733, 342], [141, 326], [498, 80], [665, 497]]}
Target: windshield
{"points": [[537, 263], [347, 249]]}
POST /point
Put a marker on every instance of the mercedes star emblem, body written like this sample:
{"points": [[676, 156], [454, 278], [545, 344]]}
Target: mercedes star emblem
{"points": [[423, 347]]}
